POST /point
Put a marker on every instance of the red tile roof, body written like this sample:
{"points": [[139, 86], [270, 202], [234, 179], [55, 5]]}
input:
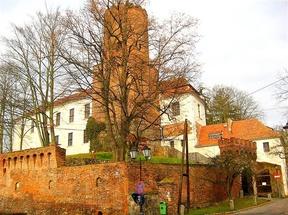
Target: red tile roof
{"points": [[73, 97], [251, 129], [175, 129], [177, 86]]}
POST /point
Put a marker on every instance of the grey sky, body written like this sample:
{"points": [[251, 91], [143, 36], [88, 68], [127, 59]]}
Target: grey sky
{"points": [[243, 43]]}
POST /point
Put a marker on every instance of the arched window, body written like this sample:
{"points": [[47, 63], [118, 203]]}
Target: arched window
{"points": [[50, 184], [28, 161], [9, 162], [49, 159], [15, 162], [21, 162], [34, 160], [17, 186], [98, 181], [41, 159]]}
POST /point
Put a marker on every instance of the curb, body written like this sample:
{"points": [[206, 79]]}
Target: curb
{"points": [[244, 209]]}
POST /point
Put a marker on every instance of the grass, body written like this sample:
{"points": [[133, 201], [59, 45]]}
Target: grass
{"points": [[99, 156], [224, 206], [164, 160], [106, 156]]}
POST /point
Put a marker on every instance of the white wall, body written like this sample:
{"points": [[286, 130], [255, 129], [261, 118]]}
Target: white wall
{"points": [[269, 157], [188, 110], [77, 127]]}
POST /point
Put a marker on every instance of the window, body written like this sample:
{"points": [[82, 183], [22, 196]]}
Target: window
{"points": [[58, 115], [175, 108], [182, 143], [214, 135], [32, 126], [57, 139], [266, 147], [70, 139], [172, 144], [199, 111], [71, 115], [17, 186], [87, 111], [85, 137]]}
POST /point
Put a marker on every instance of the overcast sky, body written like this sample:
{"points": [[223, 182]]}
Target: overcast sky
{"points": [[243, 43]]}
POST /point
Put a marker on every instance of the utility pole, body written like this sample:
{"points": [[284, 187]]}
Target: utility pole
{"points": [[185, 149], [187, 164]]}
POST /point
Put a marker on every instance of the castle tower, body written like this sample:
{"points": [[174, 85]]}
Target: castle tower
{"points": [[126, 60]]}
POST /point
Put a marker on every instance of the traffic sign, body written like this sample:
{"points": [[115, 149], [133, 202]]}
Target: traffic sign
{"points": [[277, 174], [140, 188]]}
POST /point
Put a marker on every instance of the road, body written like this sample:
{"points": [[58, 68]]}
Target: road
{"points": [[276, 207]]}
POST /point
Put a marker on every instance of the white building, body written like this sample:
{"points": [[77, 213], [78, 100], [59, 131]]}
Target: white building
{"points": [[71, 114], [204, 138]]}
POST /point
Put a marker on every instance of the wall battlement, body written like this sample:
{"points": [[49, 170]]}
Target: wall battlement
{"points": [[33, 159], [237, 145]]}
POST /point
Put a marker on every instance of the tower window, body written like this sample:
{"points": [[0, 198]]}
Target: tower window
{"points": [[266, 147], [175, 108], [199, 111]]}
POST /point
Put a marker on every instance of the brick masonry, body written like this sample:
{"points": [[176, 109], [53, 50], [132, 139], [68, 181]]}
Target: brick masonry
{"points": [[44, 185]]}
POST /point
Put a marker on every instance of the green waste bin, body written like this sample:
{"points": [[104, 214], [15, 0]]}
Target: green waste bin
{"points": [[163, 208]]}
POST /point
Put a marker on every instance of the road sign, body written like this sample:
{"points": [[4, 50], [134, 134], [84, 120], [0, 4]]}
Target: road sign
{"points": [[140, 188], [277, 174], [138, 199]]}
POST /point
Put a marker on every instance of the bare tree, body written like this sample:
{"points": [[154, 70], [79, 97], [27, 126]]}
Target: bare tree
{"points": [[232, 165], [228, 102], [33, 51], [6, 91], [125, 81]]}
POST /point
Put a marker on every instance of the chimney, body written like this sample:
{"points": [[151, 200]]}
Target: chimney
{"points": [[229, 125]]}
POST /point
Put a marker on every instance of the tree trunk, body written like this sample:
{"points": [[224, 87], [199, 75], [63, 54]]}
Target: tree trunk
{"points": [[2, 111], [254, 189]]}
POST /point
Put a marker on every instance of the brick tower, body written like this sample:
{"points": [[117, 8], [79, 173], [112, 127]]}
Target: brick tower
{"points": [[126, 55]]}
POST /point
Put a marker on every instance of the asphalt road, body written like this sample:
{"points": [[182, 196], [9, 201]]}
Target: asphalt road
{"points": [[278, 206]]}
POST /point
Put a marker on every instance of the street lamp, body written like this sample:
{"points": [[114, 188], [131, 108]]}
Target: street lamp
{"points": [[133, 152], [139, 195]]}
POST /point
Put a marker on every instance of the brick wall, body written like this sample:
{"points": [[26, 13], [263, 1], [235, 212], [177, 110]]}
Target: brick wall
{"points": [[49, 187], [164, 179]]}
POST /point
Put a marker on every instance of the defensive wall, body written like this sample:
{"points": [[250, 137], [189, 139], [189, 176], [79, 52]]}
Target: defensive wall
{"points": [[36, 181]]}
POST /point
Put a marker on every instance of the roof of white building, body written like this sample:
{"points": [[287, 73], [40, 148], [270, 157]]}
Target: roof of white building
{"points": [[250, 129]]}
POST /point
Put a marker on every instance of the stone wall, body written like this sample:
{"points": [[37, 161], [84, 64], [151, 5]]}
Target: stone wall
{"points": [[47, 186]]}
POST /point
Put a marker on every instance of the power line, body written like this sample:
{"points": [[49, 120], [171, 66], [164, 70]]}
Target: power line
{"points": [[264, 87]]}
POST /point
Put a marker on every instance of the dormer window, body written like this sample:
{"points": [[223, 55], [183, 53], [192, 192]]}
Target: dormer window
{"points": [[215, 135]]}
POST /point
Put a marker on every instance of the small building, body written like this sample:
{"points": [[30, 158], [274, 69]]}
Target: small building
{"points": [[70, 117]]}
